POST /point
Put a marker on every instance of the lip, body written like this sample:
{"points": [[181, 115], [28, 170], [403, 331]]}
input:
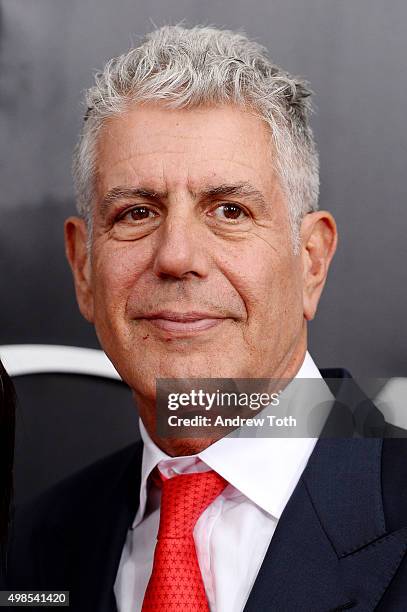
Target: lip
{"points": [[184, 322]]}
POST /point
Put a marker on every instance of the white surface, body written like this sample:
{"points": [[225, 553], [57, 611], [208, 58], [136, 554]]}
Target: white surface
{"points": [[392, 402], [20, 359]]}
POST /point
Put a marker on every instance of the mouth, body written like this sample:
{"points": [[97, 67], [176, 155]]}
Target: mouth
{"points": [[183, 322]]}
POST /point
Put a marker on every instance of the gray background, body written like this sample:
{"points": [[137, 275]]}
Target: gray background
{"points": [[354, 54]]}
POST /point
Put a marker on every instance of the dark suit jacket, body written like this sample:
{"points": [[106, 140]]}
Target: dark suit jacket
{"points": [[340, 544]]}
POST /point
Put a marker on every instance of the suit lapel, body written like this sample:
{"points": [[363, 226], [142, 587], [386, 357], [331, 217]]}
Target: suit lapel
{"points": [[349, 505], [331, 550], [300, 569]]}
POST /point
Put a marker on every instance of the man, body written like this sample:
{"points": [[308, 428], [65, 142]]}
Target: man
{"points": [[200, 252]]}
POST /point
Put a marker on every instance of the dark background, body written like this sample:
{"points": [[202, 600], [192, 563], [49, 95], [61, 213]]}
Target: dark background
{"points": [[353, 53]]}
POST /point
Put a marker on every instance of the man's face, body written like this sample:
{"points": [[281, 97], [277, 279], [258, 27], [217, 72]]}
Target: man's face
{"points": [[192, 271], [207, 242]]}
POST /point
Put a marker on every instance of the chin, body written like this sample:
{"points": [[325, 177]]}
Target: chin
{"points": [[201, 366]]}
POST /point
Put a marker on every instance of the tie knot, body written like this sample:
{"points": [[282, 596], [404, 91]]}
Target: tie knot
{"points": [[184, 498]]}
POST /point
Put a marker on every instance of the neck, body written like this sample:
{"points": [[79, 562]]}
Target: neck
{"points": [[286, 370]]}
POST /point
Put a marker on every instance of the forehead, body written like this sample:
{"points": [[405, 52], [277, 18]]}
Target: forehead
{"points": [[166, 149]]}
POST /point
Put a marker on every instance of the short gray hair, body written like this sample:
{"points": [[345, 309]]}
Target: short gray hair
{"points": [[188, 67]]}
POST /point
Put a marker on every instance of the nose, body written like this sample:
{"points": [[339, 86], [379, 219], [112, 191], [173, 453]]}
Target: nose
{"points": [[181, 250]]}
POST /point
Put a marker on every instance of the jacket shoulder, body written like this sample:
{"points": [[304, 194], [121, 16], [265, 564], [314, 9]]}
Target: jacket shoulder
{"points": [[394, 478]]}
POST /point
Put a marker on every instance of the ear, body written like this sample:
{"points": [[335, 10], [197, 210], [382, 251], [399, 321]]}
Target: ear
{"points": [[78, 255], [319, 238]]}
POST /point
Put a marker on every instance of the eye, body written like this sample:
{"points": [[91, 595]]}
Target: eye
{"points": [[230, 212], [137, 213]]}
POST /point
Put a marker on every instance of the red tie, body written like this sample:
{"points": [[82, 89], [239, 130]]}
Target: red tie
{"points": [[175, 583]]}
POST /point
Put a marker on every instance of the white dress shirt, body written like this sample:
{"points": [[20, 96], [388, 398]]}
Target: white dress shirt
{"points": [[233, 534]]}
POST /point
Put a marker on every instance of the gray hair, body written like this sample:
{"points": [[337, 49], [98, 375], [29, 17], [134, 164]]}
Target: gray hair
{"points": [[186, 68]]}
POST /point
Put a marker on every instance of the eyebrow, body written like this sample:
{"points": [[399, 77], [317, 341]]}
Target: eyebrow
{"points": [[127, 193], [242, 190], [245, 190]]}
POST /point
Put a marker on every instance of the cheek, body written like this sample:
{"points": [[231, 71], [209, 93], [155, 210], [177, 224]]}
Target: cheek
{"points": [[274, 290], [116, 271], [266, 280]]}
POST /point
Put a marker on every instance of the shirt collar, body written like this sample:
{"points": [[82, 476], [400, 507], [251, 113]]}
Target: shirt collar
{"points": [[265, 470]]}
